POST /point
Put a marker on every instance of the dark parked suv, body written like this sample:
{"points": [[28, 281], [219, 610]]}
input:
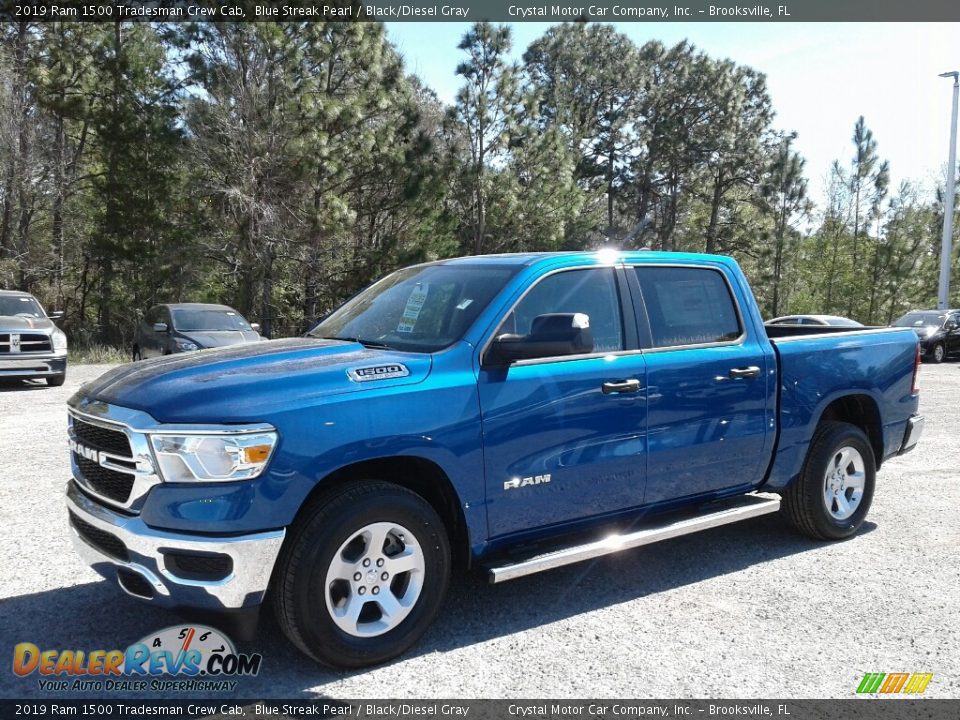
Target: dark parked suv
{"points": [[182, 327], [938, 330]]}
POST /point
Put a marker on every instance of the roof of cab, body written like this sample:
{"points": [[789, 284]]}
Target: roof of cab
{"points": [[15, 293], [604, 255]]}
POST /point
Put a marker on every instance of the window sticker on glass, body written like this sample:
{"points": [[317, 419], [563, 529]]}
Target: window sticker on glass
{"points": [[465, 304], [411, 312]]}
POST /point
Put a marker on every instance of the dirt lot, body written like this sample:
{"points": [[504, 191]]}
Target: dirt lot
{"points": [[750, 610]]}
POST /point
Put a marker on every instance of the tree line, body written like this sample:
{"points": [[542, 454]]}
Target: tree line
{"points": [[281, 167]]}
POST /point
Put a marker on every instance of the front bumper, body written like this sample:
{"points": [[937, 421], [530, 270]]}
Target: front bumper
{"points": [[143, 568], [912, 435], [26, 366]]}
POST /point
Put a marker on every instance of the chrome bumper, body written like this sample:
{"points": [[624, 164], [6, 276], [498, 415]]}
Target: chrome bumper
{"points": [[253, 557], [912, 434], [32, 365]]}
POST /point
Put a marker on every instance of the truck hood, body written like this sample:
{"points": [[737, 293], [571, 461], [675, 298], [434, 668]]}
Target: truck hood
{"points": [[219, 338], [18, 323], [249, 383]]}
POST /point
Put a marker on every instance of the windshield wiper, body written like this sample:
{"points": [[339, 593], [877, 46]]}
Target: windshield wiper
{"points": [[375, 344]]}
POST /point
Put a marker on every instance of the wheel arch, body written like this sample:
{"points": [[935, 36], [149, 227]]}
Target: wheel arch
{"points": [[417, 474], [862, 411]]}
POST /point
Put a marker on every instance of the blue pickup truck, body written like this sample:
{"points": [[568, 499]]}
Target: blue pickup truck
{"points": [[512, 413]]}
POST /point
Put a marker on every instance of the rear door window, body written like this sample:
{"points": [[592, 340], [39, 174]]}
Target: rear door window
{"points": [[688, 306]]}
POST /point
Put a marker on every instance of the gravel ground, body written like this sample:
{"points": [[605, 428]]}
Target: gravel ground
{"points": [[750, 610]]}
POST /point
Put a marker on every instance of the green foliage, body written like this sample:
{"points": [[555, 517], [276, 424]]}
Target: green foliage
{"points": [[280, 167], [97, 354]]}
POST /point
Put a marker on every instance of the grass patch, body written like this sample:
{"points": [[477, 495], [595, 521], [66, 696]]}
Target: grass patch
{"points": [[98, 355]]}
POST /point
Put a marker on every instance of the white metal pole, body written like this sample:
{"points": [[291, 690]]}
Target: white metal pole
{"points": [[946, 249]]}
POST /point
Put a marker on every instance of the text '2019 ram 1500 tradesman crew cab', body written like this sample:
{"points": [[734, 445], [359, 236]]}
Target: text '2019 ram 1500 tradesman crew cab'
{"points": [[515, 413]]}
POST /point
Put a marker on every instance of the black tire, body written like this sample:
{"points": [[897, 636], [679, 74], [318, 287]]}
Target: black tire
{"points": [[56, 380], [804, 501], [938, 353], [136, 356], [301, 594]]}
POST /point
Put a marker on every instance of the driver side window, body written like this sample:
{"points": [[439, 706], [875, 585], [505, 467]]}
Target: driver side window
{"points": [[592, 292]]}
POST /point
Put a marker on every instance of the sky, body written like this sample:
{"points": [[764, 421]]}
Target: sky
{"points": [[821, 78]]}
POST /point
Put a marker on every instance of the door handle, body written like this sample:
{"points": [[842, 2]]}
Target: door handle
{"points": [[747, 372], [621, 386]]}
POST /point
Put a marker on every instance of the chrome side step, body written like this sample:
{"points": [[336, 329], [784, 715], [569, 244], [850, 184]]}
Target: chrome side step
{"points": [[724, 512]]}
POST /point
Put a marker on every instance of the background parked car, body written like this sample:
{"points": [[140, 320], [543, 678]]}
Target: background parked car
{"points": [[834, 320], [183, 327], [31, 346], [938, 330]]}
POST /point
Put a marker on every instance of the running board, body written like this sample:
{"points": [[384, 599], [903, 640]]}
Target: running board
{"points": [[723, 512]]}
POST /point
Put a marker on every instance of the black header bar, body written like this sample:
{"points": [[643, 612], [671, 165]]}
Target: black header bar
{"points": [[654, 11]]}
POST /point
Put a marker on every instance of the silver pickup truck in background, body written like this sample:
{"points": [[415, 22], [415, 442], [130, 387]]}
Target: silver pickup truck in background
{"points": [[31, 346]]}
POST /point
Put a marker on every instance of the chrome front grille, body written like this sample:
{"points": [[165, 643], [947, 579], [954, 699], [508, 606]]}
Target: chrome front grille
{"points": [[21, 343], [110, 460]]}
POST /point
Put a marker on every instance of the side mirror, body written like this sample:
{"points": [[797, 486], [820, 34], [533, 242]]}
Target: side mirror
{"points": [[255, 327], [160, 327], [951, 325], [552, 335], [56, 315]]}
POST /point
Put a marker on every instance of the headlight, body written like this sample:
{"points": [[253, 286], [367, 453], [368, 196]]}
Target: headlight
{"points": [[186, 345], [218, 458], [59, 338]]}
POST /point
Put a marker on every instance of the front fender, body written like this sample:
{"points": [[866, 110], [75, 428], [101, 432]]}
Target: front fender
{"points": [[438, 423]]}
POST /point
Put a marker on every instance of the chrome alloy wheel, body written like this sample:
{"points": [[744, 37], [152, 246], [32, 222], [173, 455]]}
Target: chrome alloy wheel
{"points": [[843, 483], [374, 579]]}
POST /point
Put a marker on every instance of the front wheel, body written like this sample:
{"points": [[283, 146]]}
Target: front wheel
{"points": [[831, 497], [939, 353], [136, 356], [362, 575], [56, 380]]}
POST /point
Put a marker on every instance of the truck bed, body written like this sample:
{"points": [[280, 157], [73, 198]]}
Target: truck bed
{"points": [[818, 365]]}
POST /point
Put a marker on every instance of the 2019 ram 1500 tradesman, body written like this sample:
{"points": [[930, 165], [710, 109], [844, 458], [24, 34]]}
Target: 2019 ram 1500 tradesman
{"points": [[515, 412]]}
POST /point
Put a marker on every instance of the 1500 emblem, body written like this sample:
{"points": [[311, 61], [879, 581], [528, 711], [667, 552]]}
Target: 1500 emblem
{"points": [[378, 372], [515, 483]]}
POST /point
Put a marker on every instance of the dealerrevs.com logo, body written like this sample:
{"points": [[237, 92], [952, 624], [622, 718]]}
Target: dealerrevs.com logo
{"points": [[186, 658]]}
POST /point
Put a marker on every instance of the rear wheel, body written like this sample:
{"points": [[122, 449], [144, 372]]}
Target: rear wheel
{"points": [[56, 380], [362, 575], [137, 355], [831, 497]]}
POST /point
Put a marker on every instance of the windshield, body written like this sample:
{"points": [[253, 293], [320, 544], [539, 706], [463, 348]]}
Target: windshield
{"points": [[921, 319], [208, 319], [25, 306], [420, 309]]}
